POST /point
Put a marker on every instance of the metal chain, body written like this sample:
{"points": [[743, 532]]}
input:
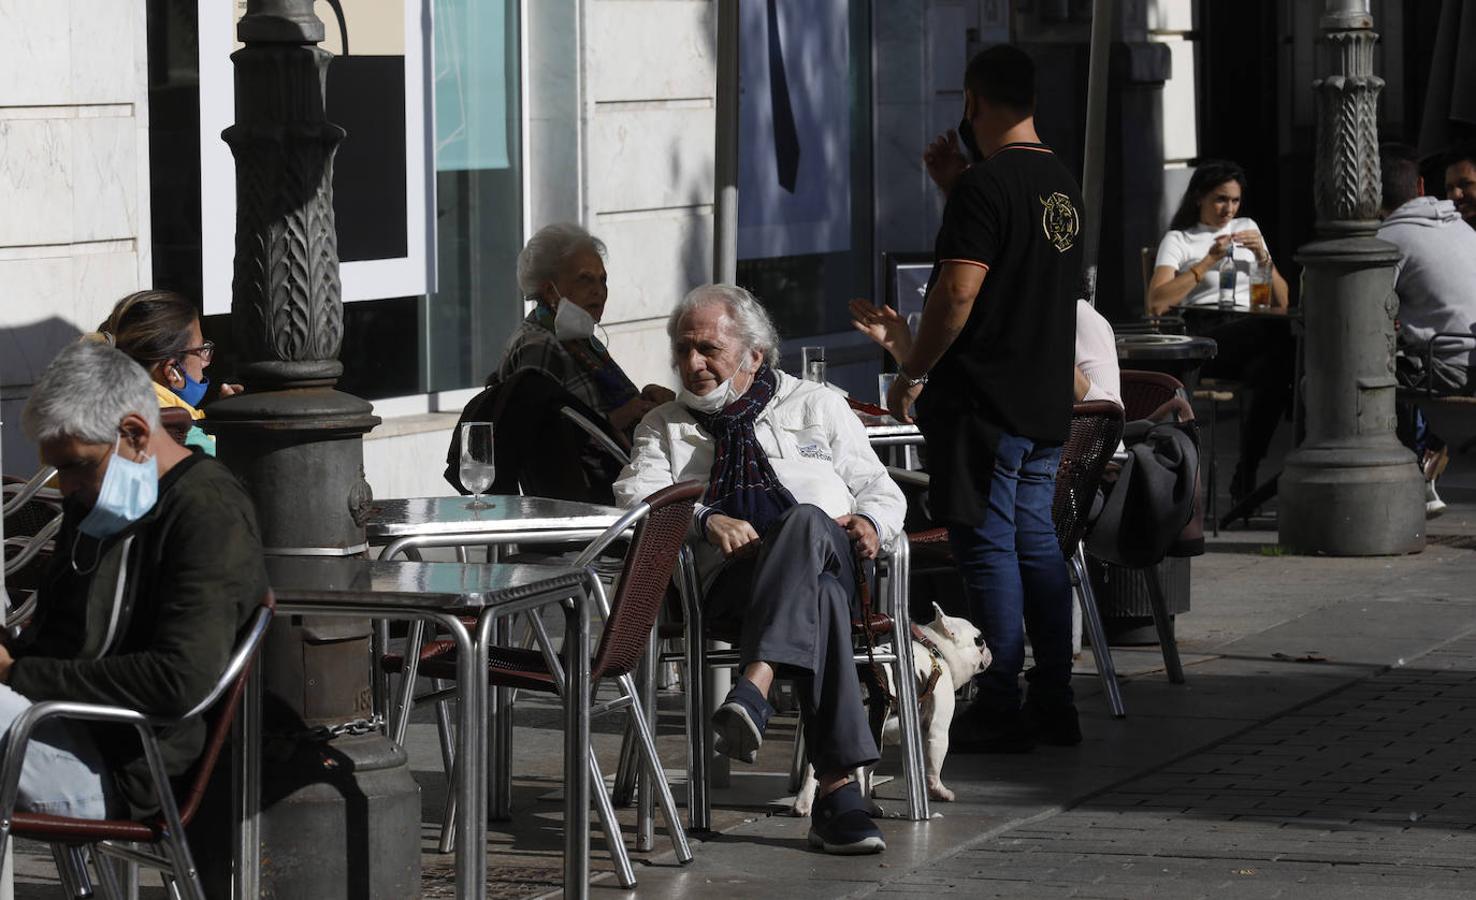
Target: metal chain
{"points": [[325, 733]]}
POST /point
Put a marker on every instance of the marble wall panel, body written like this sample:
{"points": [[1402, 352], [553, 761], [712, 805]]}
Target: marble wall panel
{"points": [[1171, 15], [36, 181], [106, 49], [35, 62], [650, 158], [644, 351], [105, 178], [408, 465], [643, 50], [1180, 133], [655, 261]]}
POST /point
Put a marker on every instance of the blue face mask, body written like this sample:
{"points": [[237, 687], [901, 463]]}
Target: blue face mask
{"points": [[193, 391], [129, 490]]}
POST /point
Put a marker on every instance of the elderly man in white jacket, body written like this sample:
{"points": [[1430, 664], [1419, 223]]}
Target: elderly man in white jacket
{"points": [[795, 496]]}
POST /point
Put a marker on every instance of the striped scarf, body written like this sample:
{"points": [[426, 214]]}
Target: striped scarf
{"points": [[742, 484]]}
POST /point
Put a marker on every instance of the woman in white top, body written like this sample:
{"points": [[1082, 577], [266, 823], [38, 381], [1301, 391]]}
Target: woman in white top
{"points": [[1257, 351], [1206, 226]]}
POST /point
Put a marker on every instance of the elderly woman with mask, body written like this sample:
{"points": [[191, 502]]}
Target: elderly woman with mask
{"points": [[562, 269]]}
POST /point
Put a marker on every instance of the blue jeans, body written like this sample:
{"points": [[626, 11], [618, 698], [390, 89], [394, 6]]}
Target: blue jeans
{"points": [[64, 773], [1013, 573]]}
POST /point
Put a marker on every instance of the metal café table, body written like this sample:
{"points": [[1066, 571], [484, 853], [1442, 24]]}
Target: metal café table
{"points": [[404, 527], [1179, 355], [442, 593]]}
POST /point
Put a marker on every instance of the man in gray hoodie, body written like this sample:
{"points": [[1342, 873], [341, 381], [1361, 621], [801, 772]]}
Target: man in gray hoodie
{"points": [[1436, 275], [1436, 283]]}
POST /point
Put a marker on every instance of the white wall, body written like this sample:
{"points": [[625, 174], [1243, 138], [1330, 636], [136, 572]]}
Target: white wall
{"points": [[1171, 22], [74, 184]]}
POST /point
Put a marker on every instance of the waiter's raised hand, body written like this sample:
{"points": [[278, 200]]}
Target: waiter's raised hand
{"points": [[883, 325], [734, 537], [862, 534]]}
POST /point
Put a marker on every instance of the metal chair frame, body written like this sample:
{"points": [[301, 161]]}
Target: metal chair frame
{"points": [[500, 705], [893, 569], [175, 862]]}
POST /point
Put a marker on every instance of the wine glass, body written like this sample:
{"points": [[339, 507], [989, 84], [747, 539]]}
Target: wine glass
{"points": [[813, 363], [477, 464]]}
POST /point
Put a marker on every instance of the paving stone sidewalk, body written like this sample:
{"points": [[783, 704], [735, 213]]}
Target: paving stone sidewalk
{"points": [[1370, 792]]}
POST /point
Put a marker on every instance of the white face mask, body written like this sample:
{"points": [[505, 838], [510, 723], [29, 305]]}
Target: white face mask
{"points": [[572, 322], [710, 402]]}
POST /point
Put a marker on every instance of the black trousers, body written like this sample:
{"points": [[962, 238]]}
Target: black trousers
{"points": [[1261, 352], [793, 603]]}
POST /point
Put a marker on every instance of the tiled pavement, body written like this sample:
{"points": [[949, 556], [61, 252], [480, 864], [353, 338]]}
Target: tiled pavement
{"points": [[1370, 792]]}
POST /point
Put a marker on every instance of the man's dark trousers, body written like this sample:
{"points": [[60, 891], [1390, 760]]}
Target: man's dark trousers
{"points": [[795, 600]]}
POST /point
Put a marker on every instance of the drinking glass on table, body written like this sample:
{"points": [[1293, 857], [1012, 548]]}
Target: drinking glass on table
{"points": [[884, 383], [813, 359], [1260, 285], [477, 464]]}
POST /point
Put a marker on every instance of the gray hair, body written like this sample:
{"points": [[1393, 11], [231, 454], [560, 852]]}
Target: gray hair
{"points": [[751, 322], [86, 392], [546, 252]]}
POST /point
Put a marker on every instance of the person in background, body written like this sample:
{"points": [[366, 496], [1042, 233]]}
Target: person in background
{"points": [[1435, 281], [562, 269], [1460, 181], [1255, 350], [160, 330], [158, 565]]}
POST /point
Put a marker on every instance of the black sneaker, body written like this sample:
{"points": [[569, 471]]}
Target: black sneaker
{"points": [[979, 729], [840, 823], [740, 722], [1057, 725]]}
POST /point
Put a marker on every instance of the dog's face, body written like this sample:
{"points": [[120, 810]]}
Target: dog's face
{"points": [[962, 645]]}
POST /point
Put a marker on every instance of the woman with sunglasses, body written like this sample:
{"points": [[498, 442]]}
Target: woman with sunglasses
{"points": [[161, 331]]}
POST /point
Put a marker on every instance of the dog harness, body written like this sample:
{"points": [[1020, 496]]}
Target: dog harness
{"points": [[935, 655]]}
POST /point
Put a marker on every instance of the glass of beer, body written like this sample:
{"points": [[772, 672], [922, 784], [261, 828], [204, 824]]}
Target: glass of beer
{"points": [[1260, 285]]}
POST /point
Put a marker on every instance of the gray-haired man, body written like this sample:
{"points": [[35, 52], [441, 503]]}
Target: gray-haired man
{"points": [[177, 532], [794, 494]]}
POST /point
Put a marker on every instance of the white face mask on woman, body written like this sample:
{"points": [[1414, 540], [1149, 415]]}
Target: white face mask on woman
{"points": [[572, 322]]}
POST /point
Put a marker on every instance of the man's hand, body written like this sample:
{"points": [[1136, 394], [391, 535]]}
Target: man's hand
{"points": [[6, 661], [862, 534], [658, 394], [883, 325], [944, 160], [625, 416], [900, 399], [734, 537]]}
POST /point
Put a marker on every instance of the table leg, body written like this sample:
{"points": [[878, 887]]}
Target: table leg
{"points": [[499, 801], [246, 781], [576, 746], [471, 676]]}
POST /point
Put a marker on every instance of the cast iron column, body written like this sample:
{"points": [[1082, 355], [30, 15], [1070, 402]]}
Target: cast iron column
{"points": [[1351, 489], [340, 811]]}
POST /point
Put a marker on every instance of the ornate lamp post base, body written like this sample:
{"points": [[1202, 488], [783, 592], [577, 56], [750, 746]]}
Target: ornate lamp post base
{"points": [[1351, 489]]}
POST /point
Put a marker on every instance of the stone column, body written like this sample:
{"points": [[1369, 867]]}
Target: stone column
{"points": [[1351, 489], [340, 811]]}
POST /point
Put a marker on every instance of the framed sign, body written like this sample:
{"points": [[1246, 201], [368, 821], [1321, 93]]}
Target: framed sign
{"points": [[907, 277], [383, 190]]}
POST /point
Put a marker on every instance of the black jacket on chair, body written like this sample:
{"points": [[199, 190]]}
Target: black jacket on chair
{"points": [[536, 448], [1151, 510]]}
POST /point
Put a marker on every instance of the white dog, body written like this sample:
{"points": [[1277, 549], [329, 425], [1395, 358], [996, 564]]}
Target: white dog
{"points": [[945, 654]]}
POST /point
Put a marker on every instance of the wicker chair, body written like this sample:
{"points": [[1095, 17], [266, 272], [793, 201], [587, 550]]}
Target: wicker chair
{"points": [[661, 523], [74, 840]]}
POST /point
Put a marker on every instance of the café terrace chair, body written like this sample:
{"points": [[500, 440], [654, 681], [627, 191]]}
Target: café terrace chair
{"points": [[33, 516], [157, 840], [660, 524], [1096, 428]]}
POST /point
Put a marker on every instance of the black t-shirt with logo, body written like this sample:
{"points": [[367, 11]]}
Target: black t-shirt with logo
{"points": [[1018, 216]]}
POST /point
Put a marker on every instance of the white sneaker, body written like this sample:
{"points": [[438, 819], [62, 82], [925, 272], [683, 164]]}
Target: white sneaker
{"points": [[1434, 506]]}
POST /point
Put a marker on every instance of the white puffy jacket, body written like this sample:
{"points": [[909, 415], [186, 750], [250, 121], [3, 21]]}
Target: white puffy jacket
{"points": [[815, 443]]}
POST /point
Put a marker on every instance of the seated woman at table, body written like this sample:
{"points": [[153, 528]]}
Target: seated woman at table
{"points": [[562, 269], [160, 330], [1256, 351]]}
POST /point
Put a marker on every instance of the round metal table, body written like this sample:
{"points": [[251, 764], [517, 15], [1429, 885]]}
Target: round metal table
{"points": [[1179, 355]]}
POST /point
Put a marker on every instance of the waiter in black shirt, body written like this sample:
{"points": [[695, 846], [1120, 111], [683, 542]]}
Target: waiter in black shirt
{"points": [[990, 372]]}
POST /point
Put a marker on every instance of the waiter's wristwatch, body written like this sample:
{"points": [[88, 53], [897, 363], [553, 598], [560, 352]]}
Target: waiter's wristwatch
{"points": [[908, 380]]}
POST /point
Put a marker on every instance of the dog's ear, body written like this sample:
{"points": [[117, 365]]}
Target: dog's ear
{"points": [[940, 621]]}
